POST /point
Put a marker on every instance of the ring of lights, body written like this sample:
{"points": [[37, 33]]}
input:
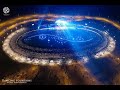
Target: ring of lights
{"points": [[24, 53]]}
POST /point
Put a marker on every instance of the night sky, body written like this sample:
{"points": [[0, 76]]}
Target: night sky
{"points": [[108, 11]]}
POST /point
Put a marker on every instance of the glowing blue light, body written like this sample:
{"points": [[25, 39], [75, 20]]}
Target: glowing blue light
{"points": [[64, 24], [33, 24], [38, 27], [85, 23], [61, 23]]}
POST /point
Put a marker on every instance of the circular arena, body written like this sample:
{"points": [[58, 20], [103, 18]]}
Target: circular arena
{"points": [[57, 41]]}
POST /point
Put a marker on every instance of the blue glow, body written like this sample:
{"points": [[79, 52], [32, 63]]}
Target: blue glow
{"points": [[64, 24], [86, 24], [33, 24], [48, 40], [38, 27], [67, 33], [61, 23]]}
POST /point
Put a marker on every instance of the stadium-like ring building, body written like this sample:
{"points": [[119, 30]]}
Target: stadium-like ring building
{"points": [[55, 45], [45, 46]]}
